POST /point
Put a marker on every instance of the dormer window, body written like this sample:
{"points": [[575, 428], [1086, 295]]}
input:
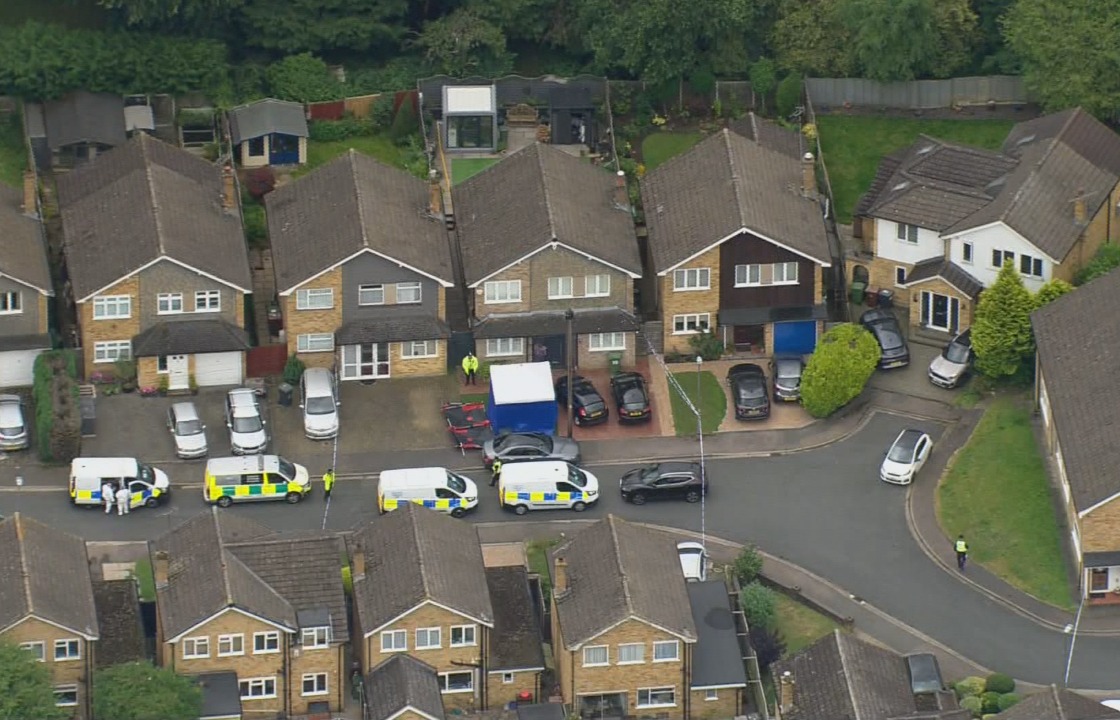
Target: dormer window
{"points": [[315, 637], [315, 628]]}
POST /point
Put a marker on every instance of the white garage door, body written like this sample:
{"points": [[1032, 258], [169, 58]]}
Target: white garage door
{"points": [[217, 369], [17, 367]]}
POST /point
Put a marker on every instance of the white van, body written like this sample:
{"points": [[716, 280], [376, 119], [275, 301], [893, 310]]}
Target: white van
{"points": [[319, 401], [148, 486], [433, 487], [546, 485]]}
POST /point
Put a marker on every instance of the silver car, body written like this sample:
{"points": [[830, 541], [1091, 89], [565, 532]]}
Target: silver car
{"points": [[247, 435], [951, 367], [187, 430], [13, 430], [319, 401], [511, 447]]}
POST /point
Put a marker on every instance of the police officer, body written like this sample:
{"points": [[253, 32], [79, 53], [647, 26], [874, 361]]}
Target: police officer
{"points": [[328, 483], [961, 548], [496, 472], [470, 368]]}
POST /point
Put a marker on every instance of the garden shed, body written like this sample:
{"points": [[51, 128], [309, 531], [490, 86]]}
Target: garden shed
{"points": [[522, 398], [269, 132]]}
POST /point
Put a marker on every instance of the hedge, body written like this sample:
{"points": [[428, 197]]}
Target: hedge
{"points": [[58, 422]]}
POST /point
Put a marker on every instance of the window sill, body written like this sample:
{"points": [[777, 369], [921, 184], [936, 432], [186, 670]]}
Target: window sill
{"points": [[314, 309], [207, 311], [259, 697], [696, 289], [114, 317], [561, 297], [607, 349], [648, 707], [319, 693], [393, 650], [231, 654], [418, 357], [169, 312], [502, 302], [604, 295], [688, 332], [457, 691], [312, 352], [463, 645], [606, 664], [668, 660], [632, 662], [266, 652], [196, 657], [431, 647], [501, 355]]}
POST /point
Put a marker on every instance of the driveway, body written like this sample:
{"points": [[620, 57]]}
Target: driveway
{"points": [[913, 379]]}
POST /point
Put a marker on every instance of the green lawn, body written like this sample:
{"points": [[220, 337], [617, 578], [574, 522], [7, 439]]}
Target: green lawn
{"points": [[537, 550], [660, 146], [13, 152], [474, 398], [712, 405], [463, 168], [800, 625], [145, 579], [997, 494], [853, 145], [378, 146]]}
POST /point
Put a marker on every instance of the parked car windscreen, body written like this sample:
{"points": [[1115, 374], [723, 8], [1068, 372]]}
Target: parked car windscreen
{"points": [[146, 473], [188, 427], [249, 424], [320, 406], [900, 453], [956, 353]]}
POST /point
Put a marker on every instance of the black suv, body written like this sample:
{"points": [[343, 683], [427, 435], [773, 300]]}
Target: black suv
{"points": [[588, 404], [883, 325], [663, 481], [630, 397], [748, 390]]}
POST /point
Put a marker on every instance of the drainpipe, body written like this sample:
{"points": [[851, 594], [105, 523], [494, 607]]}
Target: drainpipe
{"points": [[686, 681]]}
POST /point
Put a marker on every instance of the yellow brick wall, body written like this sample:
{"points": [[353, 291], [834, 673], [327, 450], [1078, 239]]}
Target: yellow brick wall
{"points": [[239, 308], [63, 672], [818, 282], [441, 302], [103, 330], [942, 288], [44, 325], [326, 660], [689, 301], [299, 322], [500, 694], [520, 272], [724, 707], [400, 366], [562, 658], [598, 359], [882, 276], [1100, 529]]}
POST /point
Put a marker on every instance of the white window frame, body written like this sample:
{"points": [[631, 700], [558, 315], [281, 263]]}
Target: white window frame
{"points": [[675, 644], [464, 630], [251, 684], [67, 689], [639, 648], [393, 636], [967, 253], [314, 678], [262, 639], [710, 695], [649, 691], [1035, 262], [602, 342], [444, 676], [501, 292], [692, 279], [606, 650], [408, 288], [320, 637], [315, 342], [110, 351], [597, 285], [166, 303], [161, 365], [697, 317], [429, 632], [743, 275], [899, 275], [314, 299], [907, 233], [207, 301], [556, 289], [196, 647], [416, 349], [66, 644], [507, 678], [512, 347], [788, 269], [234, 644], [36, 647], [364, 291], [1004, 256], [11, 302], [121, 306]]}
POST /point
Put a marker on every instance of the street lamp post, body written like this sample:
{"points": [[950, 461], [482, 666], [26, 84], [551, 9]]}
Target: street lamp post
{"points": [[569, 316]]}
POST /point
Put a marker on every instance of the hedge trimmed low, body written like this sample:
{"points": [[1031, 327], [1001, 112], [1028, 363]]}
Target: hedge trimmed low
{"points": [[58, 422]]}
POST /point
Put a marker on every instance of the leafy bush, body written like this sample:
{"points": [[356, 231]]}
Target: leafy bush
{"points": [[789, 95], [255, 224], [1106, 259], [706, 345], [1001, 328], [57, 413], [293, 370], [381, 112], [303, 78], [972, 704], [758, 603], [335, 130], [763, 76], [1007, 699], [405, 123], [260, 182], [1050, 291], [999, 683], [768, 645], [838, 369], [989, 702], [970, 686], [748, 564], [401, 72]]}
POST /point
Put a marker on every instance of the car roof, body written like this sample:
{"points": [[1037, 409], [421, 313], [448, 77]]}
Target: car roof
{"points": [[908, 438], [185, 411], [965, 338], [628, 377], [745, 369], [672, 466], [243, 464], [10, 412], [876, 315]]}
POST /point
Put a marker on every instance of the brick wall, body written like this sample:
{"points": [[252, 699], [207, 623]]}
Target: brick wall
{"points": [[299, 322], [400, 366], [818, 283], [169, 277], [1103, 227], [690, 301], [1100, 529], [500, 693], [598, 359], [325, 660], [122, 329], [44, 314], [942, 288], [726, 704], [63, 672], [882, 277]]}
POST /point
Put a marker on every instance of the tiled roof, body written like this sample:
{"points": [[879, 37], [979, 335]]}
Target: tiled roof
{"points": [[770, 134], [515, 642], [414, 555], [25, 342], [267, 116], [83, 116], [618, 570], [948, 271], [887, 167], [537, 196], [118, 618], [188, 337], [1056, 703], [143, 201], [23, 250], [530, 324], [1079, 351], [725, 184], [44, 573], [392, 327], [402, 682], [351, 204]]}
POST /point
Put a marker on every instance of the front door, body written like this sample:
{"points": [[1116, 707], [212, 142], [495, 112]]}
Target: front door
{"points": [[178, 372], [365, 361], [940, 312]]}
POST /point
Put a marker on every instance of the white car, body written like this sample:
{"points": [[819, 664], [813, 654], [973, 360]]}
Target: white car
{"points": [[906, 456], [247, 435], [187, 430], [13, 428], [694, 561]]}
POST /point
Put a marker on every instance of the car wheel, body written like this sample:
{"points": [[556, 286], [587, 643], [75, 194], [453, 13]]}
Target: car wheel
{"points": [[225, 501], [520, 509], [692, 496], [151, 502], [579, 506], [638, 499], [457, 512], [294, 497]]}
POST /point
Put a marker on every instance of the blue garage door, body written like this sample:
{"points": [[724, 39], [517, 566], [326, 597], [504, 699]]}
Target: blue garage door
{"points": [[795, 338]]}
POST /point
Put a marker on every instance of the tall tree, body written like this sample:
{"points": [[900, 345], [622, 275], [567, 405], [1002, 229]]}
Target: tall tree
{"points": [[1070, 52], [891, 39], [462, 43], [141, 691], [325, 27], [838, 369], [181, 15], [1001, 328], [25, 687], [810, 38]]}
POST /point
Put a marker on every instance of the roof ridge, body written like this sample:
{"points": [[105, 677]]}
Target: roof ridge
{"points": [[25, 574], [222, 556], [544, 191], [351, 156], [249, 569], [842, 650], [736, 181], [412, 515], [611, 518], [151, 187]]}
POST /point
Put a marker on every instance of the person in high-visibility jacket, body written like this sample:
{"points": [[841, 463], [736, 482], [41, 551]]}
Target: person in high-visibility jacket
{"points": [[961, 548], [496, 470], [328, 483], [470, 369]]}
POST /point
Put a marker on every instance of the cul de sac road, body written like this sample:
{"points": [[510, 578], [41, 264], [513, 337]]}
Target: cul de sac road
{"points": [[820, 507]]}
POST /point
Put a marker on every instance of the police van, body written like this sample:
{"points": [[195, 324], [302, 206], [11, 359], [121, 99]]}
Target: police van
{"points": [[147, 486], [546, 485], [250, 478], [433, 487]]}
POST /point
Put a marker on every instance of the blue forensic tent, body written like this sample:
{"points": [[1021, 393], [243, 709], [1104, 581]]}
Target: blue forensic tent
{"points": [[522, 398]]}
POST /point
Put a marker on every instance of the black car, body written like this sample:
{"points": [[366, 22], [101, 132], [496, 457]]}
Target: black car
{"points": [[883, 325], [748, 389], [786, 372], [588, 405], [630, 397], [663, 481]]}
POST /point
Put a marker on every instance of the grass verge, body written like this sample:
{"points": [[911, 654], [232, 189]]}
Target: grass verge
{"points": [[463, 168], [712, 403], [660, 146], [145, 579], [853, 145], [996, 493], [800, 625], [13, 153], [537, 550]]}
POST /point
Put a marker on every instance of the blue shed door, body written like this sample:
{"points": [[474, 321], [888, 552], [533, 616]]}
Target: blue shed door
{"points": [[795, 338]]}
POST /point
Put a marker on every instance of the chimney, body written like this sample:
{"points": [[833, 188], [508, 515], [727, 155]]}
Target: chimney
{"points": [[229, 189], [358, 564], [1079, 211], [560, 582], [160, 568], [435, 194], [785, 692], [30, 194], [808, 174]]}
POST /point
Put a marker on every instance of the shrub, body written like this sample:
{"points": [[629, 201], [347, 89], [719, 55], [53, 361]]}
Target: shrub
{"points": [[260, 182], [970, 686], [758, 603], [989, 702], [381, 112], [302, 78], [999, 683], [256, 225], [405, 124], [1006, 700], [706, 345], [838, 369], [748, 564], [293, 370], [1050, 291], [768, 645], [57, 413], [1001, 327], [972, 704], [1106, 259], [789, 95], [335, 130]]}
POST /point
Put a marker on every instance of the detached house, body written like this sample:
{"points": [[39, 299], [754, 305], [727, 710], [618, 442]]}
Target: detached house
{"points": [[157, 265], [47, 606], [363, 262], [25, 285], [543, 232], [737, 239], [941, 219], [233, 596]]}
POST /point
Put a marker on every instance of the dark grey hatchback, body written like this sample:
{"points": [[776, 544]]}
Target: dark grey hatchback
{"points": [[748, 390], [678, 480], [883, 325]]}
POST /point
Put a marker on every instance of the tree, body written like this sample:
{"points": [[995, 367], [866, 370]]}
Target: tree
{"points": [[302, 78], [1001, 328], [809, 37], [1105, 261], [958, 35], [172, 14], [891, 39], [1048, 293], [529, 20], [25, 687], [1069, 52], [373, 27], [789, 94], [166, 695], [838, 369], [462, 44], [759, 604], [748, 564], [764, 78]]}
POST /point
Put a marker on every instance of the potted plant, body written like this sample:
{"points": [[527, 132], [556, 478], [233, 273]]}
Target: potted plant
{"points": [[126, 375], [163, 385], [193, 385]]}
